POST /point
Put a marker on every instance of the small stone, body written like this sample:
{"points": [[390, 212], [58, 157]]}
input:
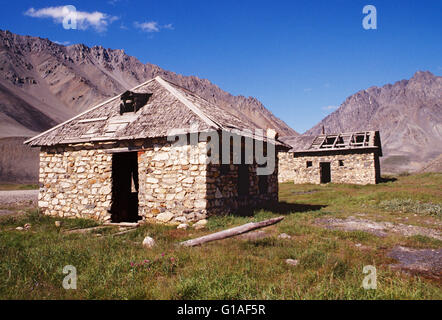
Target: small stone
{"points": [[151, 180], [19, 228], [200, 203], [183, 226], [27, 226], [164, 217], [284, 236], [358, 245], [200, 224], [148, 242], [292, 262], [105, 190], [181, 219]]}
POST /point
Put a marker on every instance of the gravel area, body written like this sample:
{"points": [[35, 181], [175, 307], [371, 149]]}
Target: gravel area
{"points": [[18, 197]]}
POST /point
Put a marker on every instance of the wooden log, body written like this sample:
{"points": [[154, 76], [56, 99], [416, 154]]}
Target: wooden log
{"points": [[231, 232], [122, 224], [122, 232], [84, 230]]}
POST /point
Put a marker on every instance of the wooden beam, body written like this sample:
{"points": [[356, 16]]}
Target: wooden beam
{"points": [[122, 224], [231, 232]]}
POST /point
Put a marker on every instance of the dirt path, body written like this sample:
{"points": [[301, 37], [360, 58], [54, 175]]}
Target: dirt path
{"points": [[14, 197]]}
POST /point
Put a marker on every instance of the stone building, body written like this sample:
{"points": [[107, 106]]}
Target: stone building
{"points": [[338, 158], [117, 162]]}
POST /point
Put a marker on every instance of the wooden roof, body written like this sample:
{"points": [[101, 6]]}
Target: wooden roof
{"points": [[336, 142], [170, 107]]}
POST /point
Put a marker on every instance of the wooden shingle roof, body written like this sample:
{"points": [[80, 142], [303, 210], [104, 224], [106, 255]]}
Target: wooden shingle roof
{"points": [[170, 107]]}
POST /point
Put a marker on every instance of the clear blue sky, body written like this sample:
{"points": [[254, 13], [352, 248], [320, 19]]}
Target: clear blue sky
{"points": [[300, 58]]}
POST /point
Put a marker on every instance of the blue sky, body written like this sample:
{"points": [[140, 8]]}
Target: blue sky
{"points": [[300, 58]]}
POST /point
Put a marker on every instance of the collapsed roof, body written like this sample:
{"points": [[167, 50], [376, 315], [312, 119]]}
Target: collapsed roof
{"points": [[167, 107], [336, 142]]}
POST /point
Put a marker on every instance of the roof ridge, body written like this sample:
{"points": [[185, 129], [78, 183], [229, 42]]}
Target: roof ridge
{"points": [[188, 103], [84, 112], [211, 103]]}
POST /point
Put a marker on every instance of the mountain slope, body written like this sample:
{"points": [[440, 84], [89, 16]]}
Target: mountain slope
{"points": [[408, 114], [55, 82]]}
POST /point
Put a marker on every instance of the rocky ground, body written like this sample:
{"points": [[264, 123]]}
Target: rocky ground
{"points": [[17, 197], [377, 228], [409, 260], [426, 261]]}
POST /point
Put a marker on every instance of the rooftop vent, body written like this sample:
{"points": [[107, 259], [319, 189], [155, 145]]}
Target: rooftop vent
{"points": [[132, 102]]}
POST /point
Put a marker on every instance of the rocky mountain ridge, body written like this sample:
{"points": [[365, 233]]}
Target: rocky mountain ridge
{"points": [[43, 83]]}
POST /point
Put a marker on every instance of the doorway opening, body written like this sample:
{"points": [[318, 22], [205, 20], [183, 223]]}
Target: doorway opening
{"points": [[325, 172], [243, 180], [124, 187]]}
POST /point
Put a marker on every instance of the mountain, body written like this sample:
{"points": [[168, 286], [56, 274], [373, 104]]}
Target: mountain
{"points": [[408, 115], [43, 83]]}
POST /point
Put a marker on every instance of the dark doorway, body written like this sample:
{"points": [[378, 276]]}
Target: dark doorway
{"points": [[243, 180], [325, 171], [125, 187]]}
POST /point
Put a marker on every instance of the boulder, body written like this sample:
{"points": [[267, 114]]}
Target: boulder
{"points": [[148, 242], [183, 226], [292, 262], [200, 224]]}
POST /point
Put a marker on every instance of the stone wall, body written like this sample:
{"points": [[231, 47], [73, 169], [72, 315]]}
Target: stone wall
{"points": [[223, 193], [286, 167], [75, 183], [172, 182], [346, 167], [175, 183]]}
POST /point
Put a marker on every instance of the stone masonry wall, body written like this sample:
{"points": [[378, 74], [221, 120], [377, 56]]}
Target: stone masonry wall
{"points": [[172, 182], [175, 183], [358, 168], [286, 169], [222, 189], [75, 183]]}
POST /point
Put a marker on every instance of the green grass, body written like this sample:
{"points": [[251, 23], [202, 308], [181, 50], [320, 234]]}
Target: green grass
{"points": [[412, 206], [14, 186], [330, 265]]}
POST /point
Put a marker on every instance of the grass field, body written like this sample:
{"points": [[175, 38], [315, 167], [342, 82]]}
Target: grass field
{"points": [[330, 264], [13, 186]]}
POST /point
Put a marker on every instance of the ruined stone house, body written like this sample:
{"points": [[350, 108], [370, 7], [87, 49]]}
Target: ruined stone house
{"points": [[338, 158], [116, 162]]}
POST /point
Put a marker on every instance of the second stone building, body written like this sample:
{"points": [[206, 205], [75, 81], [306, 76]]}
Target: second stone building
{"points": [[339, 158]]}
